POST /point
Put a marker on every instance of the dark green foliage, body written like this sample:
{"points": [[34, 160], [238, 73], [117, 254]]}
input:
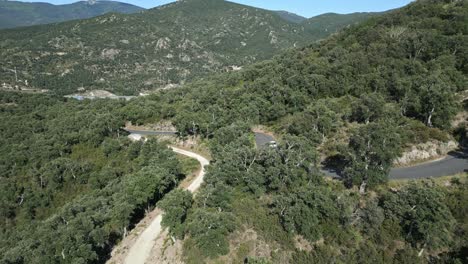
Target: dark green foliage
{"points": [[369, 108], [72, 183], [253, 260], [20, 14], [306, 210], [209, 230], [372, 150], [176, 205], [325, 24], [425, 219], [385, 82]]}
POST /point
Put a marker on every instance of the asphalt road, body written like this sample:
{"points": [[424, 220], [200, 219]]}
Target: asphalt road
{"points": [[262, 140], [150, 133], [455, 162]]}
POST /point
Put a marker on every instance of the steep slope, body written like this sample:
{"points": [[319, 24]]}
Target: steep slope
{"points": [[399, 55], [20, 14], [323, 25], [129, 53]]}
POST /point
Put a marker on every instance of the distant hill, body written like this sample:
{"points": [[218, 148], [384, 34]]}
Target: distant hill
{"points": [[126, 54], [291, 17], [18, 14], [323, 25]]}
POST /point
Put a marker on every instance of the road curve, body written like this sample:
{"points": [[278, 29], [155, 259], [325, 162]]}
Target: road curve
{"points": [[141, 250], [455, 162]]}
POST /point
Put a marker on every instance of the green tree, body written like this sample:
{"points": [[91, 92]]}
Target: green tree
{"points": [[369, 108], [426, 221], [371, 151], [176, 205], [209, 229]]}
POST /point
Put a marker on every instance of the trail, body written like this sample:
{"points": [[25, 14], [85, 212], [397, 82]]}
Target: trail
{"points": [[141, 249]]}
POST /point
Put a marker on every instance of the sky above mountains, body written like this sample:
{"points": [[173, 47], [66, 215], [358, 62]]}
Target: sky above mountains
{"points": [[306, 8]]}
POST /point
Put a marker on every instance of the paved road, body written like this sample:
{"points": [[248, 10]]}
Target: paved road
{"points": [[262, 140], [456, 162], [150, 133], [141, 250]]}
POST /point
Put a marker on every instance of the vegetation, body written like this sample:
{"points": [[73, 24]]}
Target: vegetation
{"points": [[72, 183], [282, 199], [376, 87], [175, 206], [392, 80], [19, 14], [127, 54], [331, 23]]}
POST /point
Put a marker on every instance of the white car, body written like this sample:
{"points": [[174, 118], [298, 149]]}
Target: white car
{"points": [[272, 144]]}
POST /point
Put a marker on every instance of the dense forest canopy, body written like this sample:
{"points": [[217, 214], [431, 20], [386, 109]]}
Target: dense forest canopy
{"points": [[72, 183]]}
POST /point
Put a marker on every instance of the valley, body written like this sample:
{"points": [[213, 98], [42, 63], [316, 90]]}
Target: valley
{"points": [[161, 47]]}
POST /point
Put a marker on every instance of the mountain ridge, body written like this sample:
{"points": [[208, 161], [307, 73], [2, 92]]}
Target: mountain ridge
{"points": [[170, 44], [15, 14], [165, 45]]}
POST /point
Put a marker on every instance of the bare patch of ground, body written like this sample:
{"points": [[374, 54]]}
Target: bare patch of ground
{"points": [[247, 243], [460, 118], [302, 244], [166, 250]]}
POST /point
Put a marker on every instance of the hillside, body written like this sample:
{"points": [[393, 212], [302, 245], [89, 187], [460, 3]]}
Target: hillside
{"points": [[330, 23], [354, 100], [19, 14], [170, 44]]}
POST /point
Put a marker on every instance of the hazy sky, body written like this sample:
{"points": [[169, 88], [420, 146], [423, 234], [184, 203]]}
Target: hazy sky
{"points": [[307, 8]]}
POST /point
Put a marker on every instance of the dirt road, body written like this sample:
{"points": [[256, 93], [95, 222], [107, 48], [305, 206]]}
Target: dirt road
{"points": [[141, 249]]}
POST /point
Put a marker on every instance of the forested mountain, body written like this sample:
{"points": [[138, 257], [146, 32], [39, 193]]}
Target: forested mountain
{"points": [[170, 44], [157, 48], [20, 14], [330, 23]]}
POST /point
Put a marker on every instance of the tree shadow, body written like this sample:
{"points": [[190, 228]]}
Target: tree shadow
{"points": [[334, 166], [461, 153]]}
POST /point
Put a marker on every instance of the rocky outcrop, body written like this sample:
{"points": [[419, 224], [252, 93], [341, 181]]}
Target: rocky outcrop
{"points": [[424, 152]]}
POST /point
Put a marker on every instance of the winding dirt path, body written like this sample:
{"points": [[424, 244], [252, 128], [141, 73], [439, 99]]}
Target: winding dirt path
{"points": [[140, 250]]}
